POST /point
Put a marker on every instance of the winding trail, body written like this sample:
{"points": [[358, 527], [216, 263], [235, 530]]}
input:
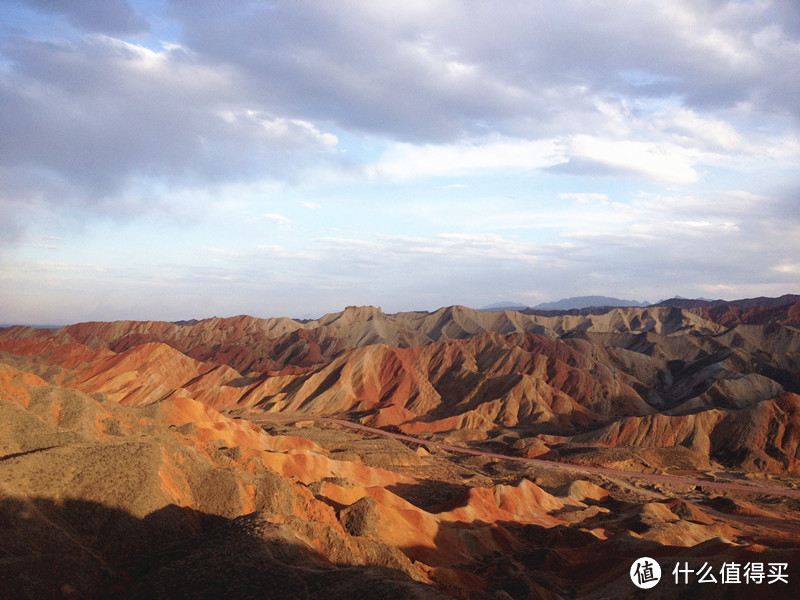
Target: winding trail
{"points": [[547, 464]]}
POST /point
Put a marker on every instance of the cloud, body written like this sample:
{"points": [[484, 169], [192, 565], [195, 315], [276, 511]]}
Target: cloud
{"points": [[407, 161], [738, 203], [351, 64], [218, 253], [658, 162], [260, 90], [275, 218], [585, 197], [710, 132], [788, 268], [675, 231], [289, 133], [400, 72], [93, 118], [626, 146], [448, 250], [107, 16]]}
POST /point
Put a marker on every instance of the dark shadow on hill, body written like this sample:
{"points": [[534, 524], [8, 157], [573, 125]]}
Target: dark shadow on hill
{"points": [[568, 562], [75, 549], [26, 453], [429, 494]]}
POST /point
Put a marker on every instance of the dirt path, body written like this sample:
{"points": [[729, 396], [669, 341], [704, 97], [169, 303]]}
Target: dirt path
{"points": [[548, 464]]}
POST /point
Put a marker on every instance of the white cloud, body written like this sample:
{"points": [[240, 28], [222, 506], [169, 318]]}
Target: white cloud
{"points": [[464, 246], [632, 239], [348, 243], [789, 268], [55, 266], [451, 248], [280, 252], [675, 230], [659, 162], [585, 198], [224, 252], [287, 132], [699, 130], [275, 218], [741, 203], [410, 161]]}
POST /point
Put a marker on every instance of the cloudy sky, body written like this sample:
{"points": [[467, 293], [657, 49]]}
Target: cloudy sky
{"points": [[170, 159]]}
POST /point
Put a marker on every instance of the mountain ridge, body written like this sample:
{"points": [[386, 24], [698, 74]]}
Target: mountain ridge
{"points": [[452, 369]]}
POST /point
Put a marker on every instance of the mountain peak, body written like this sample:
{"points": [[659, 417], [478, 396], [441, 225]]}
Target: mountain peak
{"points": [[351, 314]]}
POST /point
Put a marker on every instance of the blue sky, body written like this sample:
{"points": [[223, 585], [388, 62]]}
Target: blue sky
{"points": [[178, 159]]}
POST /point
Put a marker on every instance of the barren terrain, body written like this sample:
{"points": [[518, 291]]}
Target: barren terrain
{"points": [[457, 453]]}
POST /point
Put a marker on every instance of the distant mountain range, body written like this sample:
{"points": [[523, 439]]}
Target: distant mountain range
{"points": [[583, 302], [577, 302], [586, 302], [505, 306]]}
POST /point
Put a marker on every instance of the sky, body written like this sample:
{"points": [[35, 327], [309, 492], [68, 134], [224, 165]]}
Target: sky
{"points": [[176, 159]]}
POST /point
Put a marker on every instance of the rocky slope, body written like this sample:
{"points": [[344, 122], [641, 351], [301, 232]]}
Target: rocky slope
{"points": [[753, 311]]}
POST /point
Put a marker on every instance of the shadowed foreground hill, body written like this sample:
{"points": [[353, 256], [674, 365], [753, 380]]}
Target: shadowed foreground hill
{"points": [[99, 500], [79, 549]]}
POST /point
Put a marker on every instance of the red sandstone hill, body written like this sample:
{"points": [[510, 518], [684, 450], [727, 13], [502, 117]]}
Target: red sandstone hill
{"points": [[253, 345], [554, 376], [665, 358], [753, 311], [478, 383]]}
